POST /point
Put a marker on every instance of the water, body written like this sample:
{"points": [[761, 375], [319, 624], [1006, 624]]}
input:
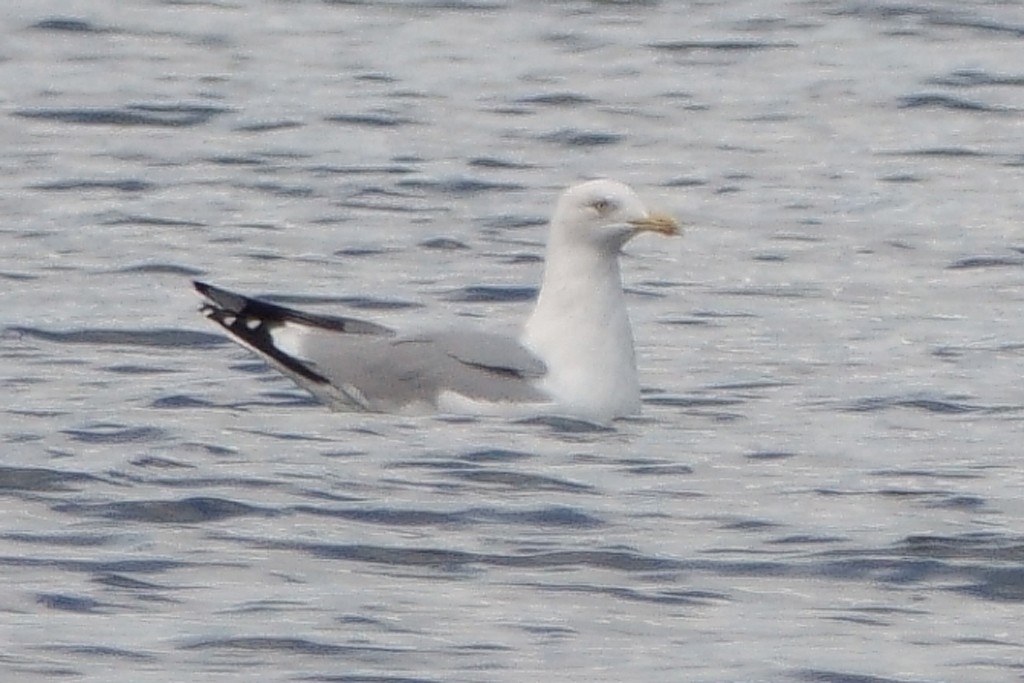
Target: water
{"points": [[825, 484]]}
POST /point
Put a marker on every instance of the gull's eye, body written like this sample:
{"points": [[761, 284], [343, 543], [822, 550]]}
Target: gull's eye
{"points": [[603, 207]]}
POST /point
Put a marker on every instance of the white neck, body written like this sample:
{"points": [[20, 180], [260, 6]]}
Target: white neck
{"points": [[580, 328]]}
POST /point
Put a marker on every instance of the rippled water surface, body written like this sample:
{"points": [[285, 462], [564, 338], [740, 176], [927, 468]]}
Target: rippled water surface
{"points": [[826, 483]]}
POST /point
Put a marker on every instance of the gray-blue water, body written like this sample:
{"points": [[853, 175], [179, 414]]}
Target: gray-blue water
{"points": [[826, 485]]}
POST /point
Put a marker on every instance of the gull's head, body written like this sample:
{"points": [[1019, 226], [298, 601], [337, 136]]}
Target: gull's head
{"points": [[606, 213]]}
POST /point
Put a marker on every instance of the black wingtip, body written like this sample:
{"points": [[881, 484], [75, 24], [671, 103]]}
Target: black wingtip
{"points": [[208, 290], [245, 307], [229, 301], [250, 322]]}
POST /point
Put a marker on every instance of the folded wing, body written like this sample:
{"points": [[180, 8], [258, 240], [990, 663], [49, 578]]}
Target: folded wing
{"points": [[353, 364]]}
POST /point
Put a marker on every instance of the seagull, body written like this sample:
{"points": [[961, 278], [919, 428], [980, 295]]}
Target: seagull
{"points": [[574, 357]]}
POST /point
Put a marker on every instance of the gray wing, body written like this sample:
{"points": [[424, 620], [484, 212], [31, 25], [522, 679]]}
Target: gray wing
{"points": [[494, 352], [406, 372], [354, 364]]}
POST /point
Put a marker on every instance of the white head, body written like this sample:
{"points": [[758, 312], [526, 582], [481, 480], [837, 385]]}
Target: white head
{"points": [[605, 214]]}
